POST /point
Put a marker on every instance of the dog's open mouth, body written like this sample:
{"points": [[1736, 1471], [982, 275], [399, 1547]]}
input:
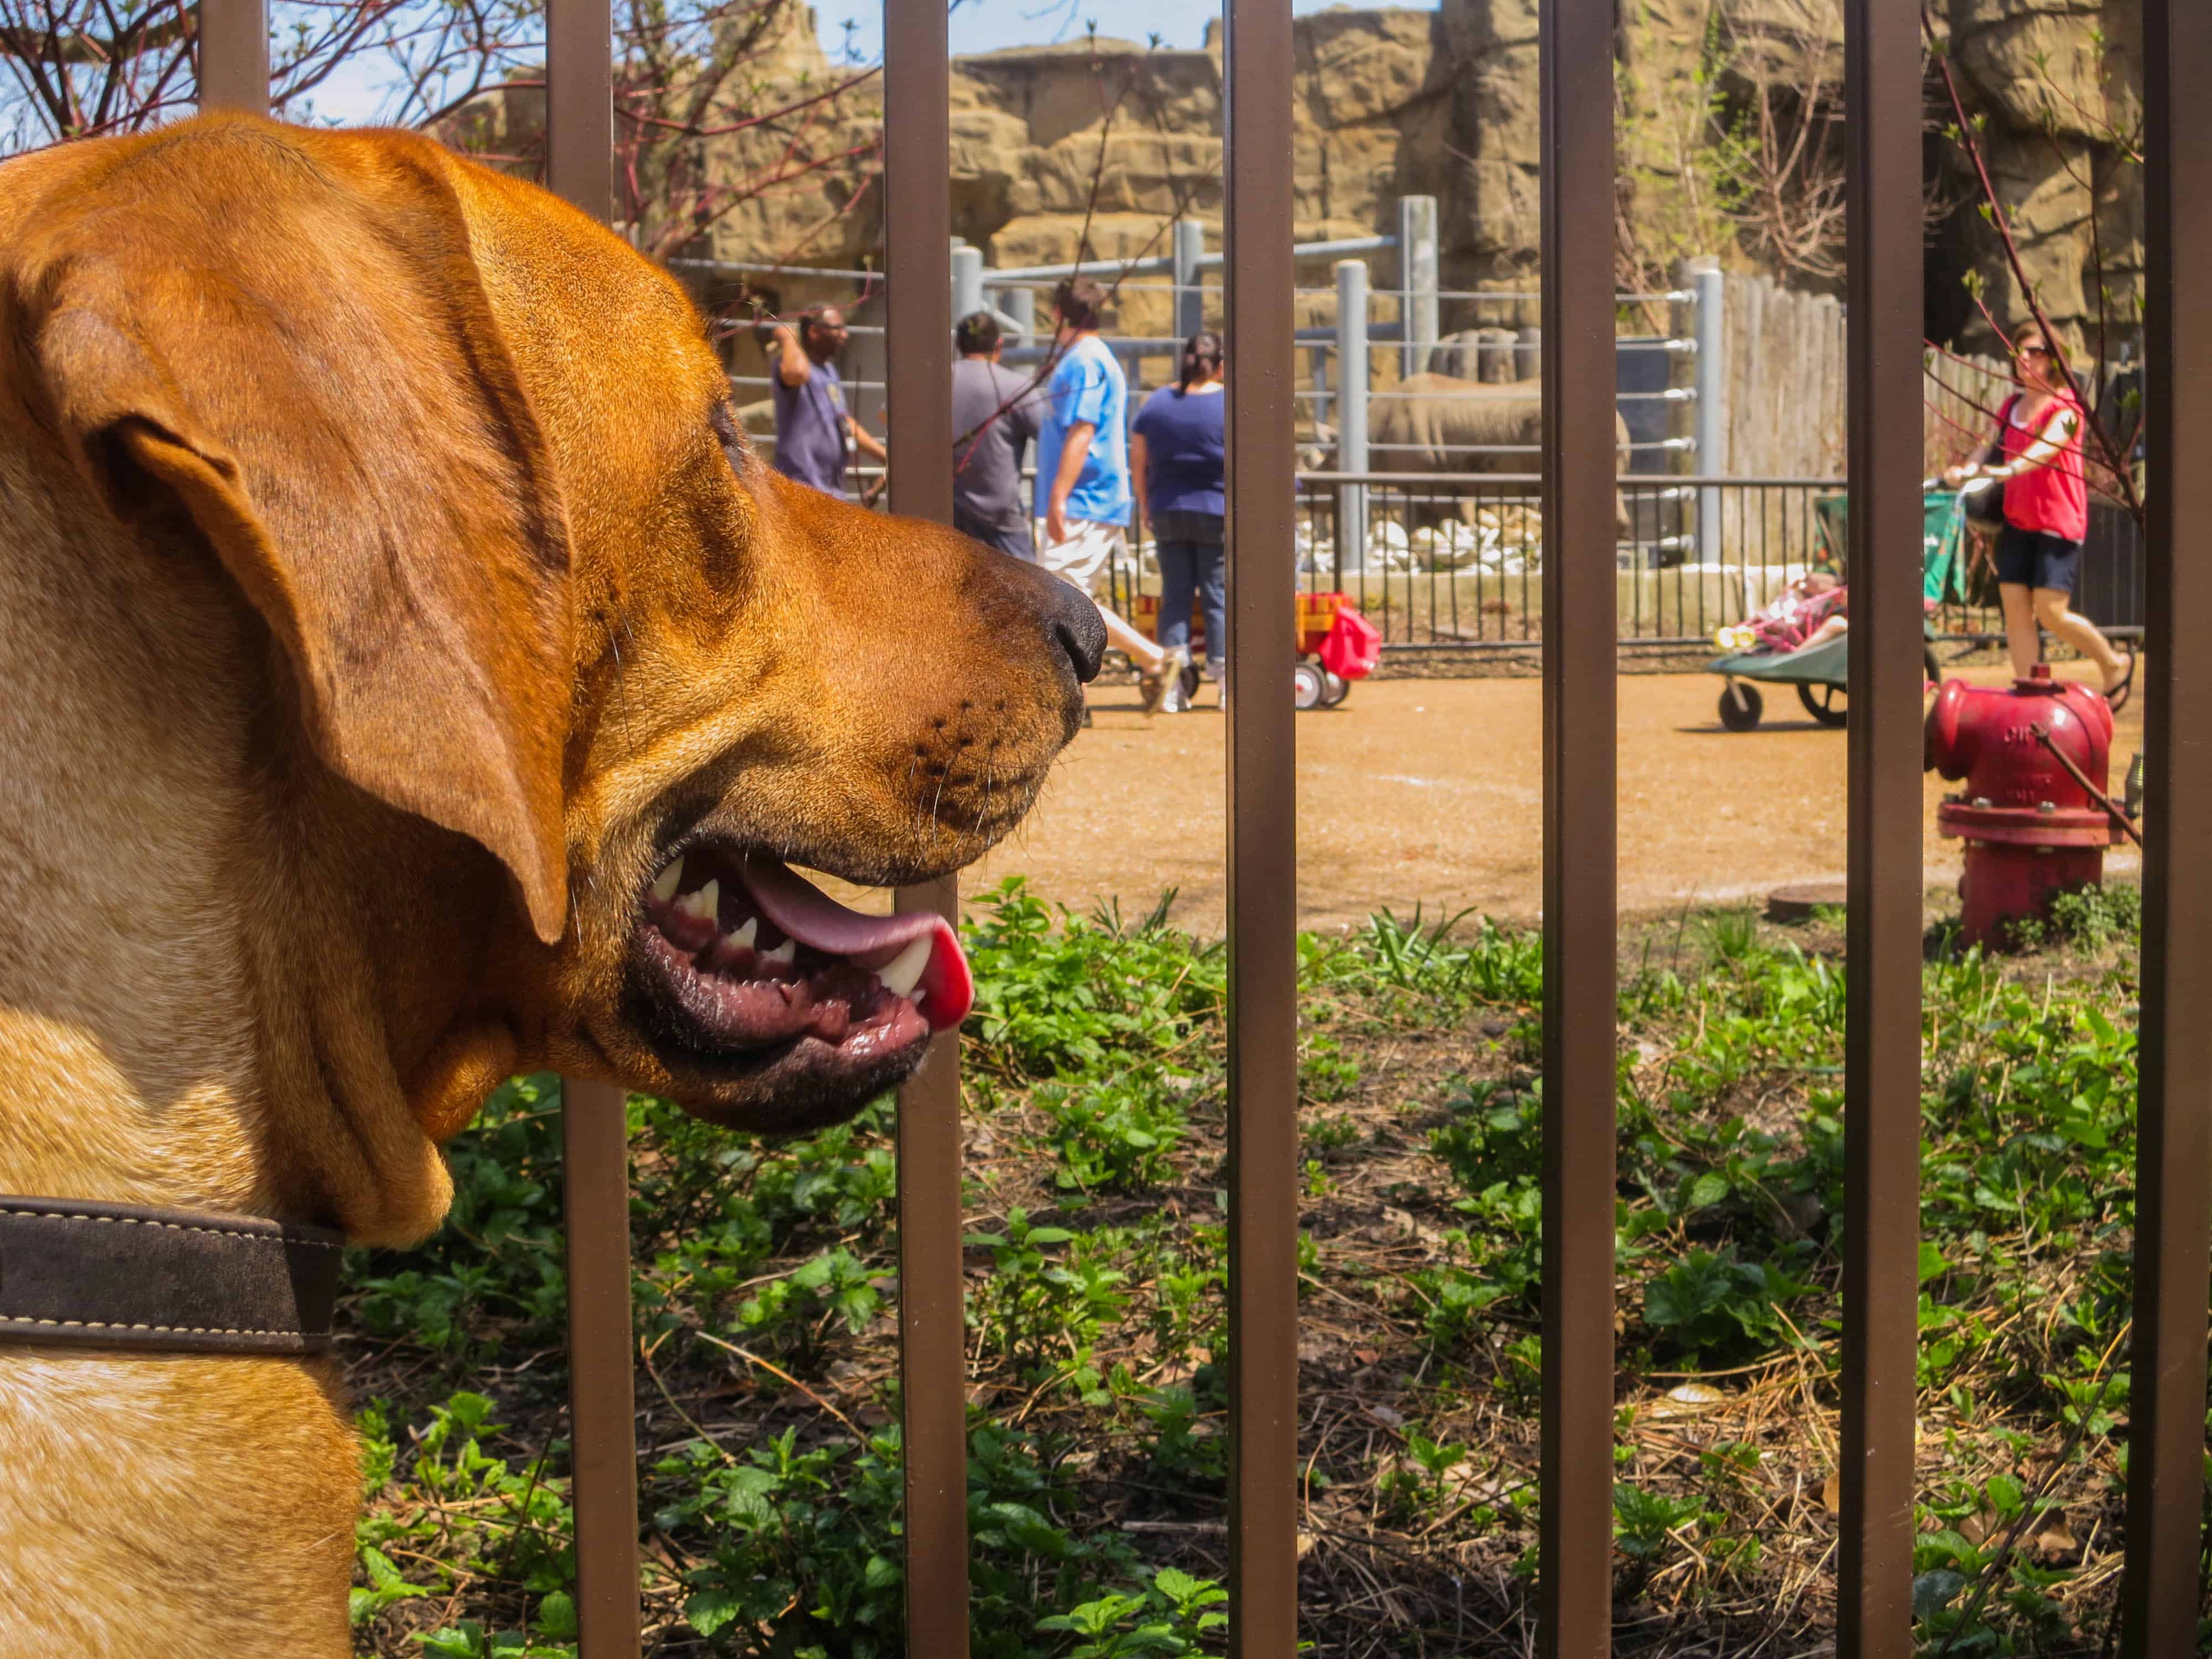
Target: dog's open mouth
{"points": [[747, 961]]}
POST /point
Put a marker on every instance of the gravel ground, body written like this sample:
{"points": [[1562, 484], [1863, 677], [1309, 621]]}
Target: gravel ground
{"points": [[1430, 792]]}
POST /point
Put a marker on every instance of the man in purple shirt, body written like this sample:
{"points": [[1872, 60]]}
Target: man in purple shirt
{"points": [[814, 434]]}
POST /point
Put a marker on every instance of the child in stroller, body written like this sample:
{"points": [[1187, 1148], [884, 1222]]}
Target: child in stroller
{"points": [[1809, 611]]}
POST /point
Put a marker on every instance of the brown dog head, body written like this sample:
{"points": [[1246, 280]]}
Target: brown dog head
{"points": [[547, 676]]}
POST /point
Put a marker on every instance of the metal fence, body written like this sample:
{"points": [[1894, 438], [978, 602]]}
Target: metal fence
{"points": [[1453, 562], [1674, 415], [1580, 606], [1450, 561]]}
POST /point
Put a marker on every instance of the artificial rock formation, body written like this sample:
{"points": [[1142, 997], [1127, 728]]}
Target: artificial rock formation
{"points": [[2060, 83], [1098, 143]]}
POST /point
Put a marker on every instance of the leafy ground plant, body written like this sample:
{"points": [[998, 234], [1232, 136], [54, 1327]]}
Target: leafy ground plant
{"points": [[766, 1292]]}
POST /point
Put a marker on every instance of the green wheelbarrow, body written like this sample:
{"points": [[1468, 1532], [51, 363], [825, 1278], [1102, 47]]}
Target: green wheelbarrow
{"points": [[1821, 673]]}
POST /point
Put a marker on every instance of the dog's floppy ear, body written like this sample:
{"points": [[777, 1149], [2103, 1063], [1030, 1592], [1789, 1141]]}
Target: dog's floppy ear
{"points": [[307, 364]]}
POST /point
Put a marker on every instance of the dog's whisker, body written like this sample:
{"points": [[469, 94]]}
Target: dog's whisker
{"points": [[984, 810]]}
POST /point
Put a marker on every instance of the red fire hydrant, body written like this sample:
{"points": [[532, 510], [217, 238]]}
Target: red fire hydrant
{"points": [[2031, 830]]}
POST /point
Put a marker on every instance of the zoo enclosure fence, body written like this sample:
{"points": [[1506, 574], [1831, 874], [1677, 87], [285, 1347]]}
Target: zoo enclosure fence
{"points": [[1453, 562], [2160, 1591], [1671, 388]]}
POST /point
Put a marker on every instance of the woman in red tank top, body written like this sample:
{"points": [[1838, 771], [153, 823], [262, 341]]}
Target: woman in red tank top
{"points": [[2037, 454]]}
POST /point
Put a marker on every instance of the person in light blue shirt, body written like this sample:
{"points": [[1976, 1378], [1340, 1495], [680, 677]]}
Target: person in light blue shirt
{"points": [[1083, 475]]}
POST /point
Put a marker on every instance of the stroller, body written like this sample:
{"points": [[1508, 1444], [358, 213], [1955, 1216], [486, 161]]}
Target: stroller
{"points": [[1769, 646]]}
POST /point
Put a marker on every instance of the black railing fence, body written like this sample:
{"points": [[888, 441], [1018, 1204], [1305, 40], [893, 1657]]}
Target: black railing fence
{"points": [[1456, 562]]}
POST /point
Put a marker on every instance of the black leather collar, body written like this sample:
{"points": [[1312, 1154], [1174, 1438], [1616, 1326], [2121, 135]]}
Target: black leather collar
{"points": [[124, 1276]]}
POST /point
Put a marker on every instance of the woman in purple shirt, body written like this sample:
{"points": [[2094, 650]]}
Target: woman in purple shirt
{"points": [[1176, 460]]}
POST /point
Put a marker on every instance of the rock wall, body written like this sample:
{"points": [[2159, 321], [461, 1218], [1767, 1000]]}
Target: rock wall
{"points": [[1397, 102], [1099, 143], [2061, 84]]}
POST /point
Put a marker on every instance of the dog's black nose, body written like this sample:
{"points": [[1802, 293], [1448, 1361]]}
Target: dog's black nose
{"points": [[1076, 627]]}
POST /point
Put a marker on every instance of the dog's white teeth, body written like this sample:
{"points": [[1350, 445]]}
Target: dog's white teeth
{"points": [[744, 936], [664, 885], [706, 904], [786, 952], [904, 971]]}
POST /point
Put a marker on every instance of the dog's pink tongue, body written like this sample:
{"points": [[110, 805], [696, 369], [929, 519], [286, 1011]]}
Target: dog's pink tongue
{"points": [[809, 915]]}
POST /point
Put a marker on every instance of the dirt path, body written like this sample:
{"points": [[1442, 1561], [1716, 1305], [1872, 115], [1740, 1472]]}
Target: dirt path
{"points": [[1430, 792]]}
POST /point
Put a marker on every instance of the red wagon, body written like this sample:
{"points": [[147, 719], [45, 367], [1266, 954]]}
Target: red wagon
{"points": [[1336, 646]]}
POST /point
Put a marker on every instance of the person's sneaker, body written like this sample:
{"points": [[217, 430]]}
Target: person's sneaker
{"points": [[1159, 684]]}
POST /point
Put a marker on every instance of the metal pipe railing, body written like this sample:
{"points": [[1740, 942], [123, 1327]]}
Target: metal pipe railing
{"points": [[1352, 446]]}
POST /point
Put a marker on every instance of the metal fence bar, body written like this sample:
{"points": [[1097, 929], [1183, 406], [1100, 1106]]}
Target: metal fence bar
{"points": [[932, 1375], [580, 127], [2160, 1589], [754, 267], [1190, 243], [1417, 280], [1711, 447], [594, 1123], [1263, 1080], [1352, 401], [602, 1378], [1881, 1054], [1574, 1570], [235, 55]]}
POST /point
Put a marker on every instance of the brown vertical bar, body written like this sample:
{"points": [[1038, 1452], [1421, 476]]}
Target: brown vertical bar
{"points": [[594, 1125], [1882, 1053], [2173, 1151], [579, 101], [235, 55], [932, 1360], [601, 1380], [1580, 596], [1263, 860]]}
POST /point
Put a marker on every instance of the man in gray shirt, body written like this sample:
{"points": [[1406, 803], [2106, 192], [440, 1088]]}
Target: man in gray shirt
{"points": [[994, 417]]}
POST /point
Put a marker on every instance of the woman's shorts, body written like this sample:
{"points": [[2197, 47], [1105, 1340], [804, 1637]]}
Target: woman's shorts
{"points": [[2036, 558]]}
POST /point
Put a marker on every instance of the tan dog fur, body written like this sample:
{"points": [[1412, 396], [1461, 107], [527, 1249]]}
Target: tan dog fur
{"points": [[379, 585]]}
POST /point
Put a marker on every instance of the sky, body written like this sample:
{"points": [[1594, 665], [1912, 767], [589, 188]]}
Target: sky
{"points": [[986, 24], [352, 95]]}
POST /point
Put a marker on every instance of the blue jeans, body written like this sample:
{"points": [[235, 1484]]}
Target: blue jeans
{"points": [[1188, 568]]}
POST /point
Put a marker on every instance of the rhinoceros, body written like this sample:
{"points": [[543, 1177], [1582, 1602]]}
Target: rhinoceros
{"points": [[1426, 422]]}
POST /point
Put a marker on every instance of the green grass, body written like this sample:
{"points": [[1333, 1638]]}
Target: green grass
{"points": [[766, 1294]]}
